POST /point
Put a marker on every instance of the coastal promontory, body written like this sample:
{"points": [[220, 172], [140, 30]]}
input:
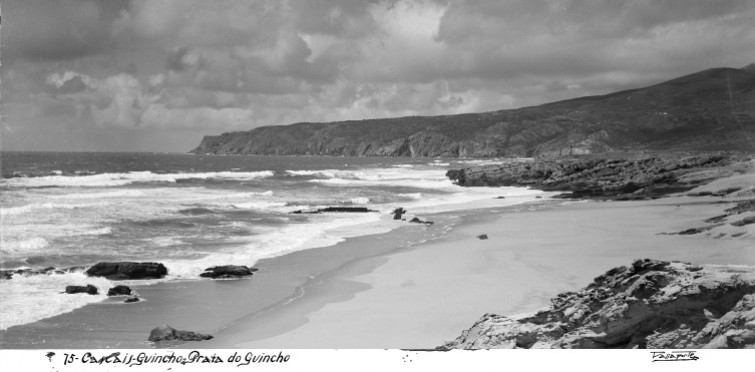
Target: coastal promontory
{"points": [[711, 110]]}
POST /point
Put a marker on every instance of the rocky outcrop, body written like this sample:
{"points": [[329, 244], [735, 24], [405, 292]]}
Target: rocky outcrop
{"points": [[88, 289], [727, 224], [622, 179], [167, 333], [418, 220], [336, 210], [693, 112], [228, 271], [649, 304], [119, 290], [128, 270]]}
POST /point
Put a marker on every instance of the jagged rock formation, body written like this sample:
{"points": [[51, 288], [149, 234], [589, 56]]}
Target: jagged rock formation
{"points": [[709, 110], [639, 178], [168, 333], [650, 304], [119, 290]]}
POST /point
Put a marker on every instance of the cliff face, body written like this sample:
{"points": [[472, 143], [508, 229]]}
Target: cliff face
{"points": [[650, 304], [709, 110]]}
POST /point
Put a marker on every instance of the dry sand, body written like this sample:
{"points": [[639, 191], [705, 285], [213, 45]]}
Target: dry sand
{"points": [[421, 297]]}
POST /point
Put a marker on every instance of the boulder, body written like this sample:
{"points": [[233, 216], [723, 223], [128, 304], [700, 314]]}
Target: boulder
{"points": [[132, 299], [90, 289], [228, 271], [482, 236], [119, 290], [649, 304], [167, 333], [398, 212], [128, 270]]}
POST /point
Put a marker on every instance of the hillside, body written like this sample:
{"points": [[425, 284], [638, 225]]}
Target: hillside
{"points": [[706, 111]]}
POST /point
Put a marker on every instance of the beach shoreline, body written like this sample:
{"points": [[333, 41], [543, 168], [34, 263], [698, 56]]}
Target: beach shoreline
{"points": [[414, 287], [419, 298]]}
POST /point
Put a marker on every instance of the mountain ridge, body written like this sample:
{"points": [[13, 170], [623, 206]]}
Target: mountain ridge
{"points": [[710, 110]]}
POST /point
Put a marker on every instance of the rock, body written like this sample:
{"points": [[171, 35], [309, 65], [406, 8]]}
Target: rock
{"points": [[500, 197], [228, 271], [745, 221], [482, 236], [89, 289], [119, 290], [650, 304], [128, 270], [336, 210], [645, 177], [417, 220], [132, 299], [398, 212], [167, 333]]}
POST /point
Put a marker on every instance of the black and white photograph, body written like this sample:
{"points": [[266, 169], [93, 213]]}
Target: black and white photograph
{"points": [[420, 178]]}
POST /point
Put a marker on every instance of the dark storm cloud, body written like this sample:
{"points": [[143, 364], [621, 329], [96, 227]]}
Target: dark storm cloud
{"points": [[193, 65], [57, 29]]}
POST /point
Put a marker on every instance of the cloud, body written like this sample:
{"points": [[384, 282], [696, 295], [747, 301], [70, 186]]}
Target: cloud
{"points": [[57, 29], [191, 65]]}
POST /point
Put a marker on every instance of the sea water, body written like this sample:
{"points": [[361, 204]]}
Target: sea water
{"points": [[191, 212]]}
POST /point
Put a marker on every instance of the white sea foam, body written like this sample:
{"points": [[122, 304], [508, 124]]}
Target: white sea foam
{"points": [[122, 179], [100, 195], [35, 297], [360, 200], [12, 211], [29, 245], [258, 205], [321, 231]]}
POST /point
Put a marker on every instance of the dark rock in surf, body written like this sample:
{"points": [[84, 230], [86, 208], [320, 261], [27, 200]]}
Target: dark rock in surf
{"points": [[336, 210], [482, 236], [417, 220], [128, 270], [168, 333], [132, 300], [89, 289], [398, 212], [119, 290], [228, 271]]}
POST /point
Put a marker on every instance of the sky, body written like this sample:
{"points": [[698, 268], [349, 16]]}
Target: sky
{"points": [[157, 75]]}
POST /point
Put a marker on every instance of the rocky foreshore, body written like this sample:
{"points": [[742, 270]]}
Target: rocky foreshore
{"points": [[641, 177], [649, 304]]}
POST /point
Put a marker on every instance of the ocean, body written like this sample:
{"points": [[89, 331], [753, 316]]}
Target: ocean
{"points": [[191, 212]]}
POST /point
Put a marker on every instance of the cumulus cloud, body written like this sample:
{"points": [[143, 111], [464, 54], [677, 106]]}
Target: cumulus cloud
{"points": [[236, 64]]}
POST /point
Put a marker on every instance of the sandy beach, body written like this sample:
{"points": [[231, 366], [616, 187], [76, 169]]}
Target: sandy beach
{"points": [[420, 297], [395, 291]]}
